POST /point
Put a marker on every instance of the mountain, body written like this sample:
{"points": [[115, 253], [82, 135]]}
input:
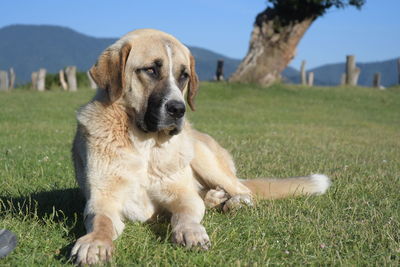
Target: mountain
{"points": [[206, 63], [27, 48], [330, 74]]}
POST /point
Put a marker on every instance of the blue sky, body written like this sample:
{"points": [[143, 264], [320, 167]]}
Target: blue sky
{"points": [[223, 26]]}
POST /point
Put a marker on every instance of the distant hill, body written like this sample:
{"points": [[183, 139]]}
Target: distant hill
{"points": [[206, 63], [331, 74], [27, 48]]}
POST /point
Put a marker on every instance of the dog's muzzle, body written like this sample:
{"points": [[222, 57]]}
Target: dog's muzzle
{"points": [[176, 109], [163, 115]]}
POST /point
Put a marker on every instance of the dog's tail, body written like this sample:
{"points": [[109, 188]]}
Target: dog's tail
{"points": [[316, 184]]}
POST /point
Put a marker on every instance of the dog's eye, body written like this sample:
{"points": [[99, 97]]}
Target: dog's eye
{"points": [[184, 76], [150, 71]]}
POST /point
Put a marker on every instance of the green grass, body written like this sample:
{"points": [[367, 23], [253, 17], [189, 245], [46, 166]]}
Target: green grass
{"points": [[350, 134]]}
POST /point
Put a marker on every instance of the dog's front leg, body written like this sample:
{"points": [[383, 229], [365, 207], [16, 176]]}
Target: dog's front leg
{"points": [[97, 245], [187, 231], [103, 224], [187, 209]]}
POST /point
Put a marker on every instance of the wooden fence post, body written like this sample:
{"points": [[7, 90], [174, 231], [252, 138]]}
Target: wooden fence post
{"points": [[92, 83], [377, 80], [41, 80], [303, 73], [398, 70], [71, 78], [357, 72], [61, 75], [11, 73], [34, 77], [310, 81], [343, 79], [3, 80], [219, 74], [352, 72], [350, 65]]}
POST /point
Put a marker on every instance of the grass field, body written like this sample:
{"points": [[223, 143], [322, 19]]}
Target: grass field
{"points": [[350, 134]]}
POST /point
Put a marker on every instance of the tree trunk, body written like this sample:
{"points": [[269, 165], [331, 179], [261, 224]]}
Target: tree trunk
{"points": [[303, 76], [3, 80], [272, 46], [92, 83], [41, 80], [71, 78], [11, 73], [61, 76]]}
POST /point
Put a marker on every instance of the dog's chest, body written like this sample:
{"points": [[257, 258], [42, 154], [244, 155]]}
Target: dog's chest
{"points": [[160, 163], [169, 158]]}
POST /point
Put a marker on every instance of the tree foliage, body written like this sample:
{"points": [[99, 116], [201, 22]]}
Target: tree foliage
{"points": [[298, 10]]}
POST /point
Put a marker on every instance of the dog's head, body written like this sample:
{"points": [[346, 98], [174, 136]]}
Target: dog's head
{"points": [[149, 72]]}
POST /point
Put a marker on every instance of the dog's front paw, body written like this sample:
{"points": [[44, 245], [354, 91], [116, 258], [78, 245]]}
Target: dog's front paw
{"points": [[91, 249], [237, 201], [191, 235]]}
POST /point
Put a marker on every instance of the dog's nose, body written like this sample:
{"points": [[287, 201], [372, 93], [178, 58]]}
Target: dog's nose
{"points": [[176, 109]]}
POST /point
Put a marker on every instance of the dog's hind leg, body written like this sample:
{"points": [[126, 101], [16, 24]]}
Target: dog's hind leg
{"points": [[215, 197], [214, 166], [215, 170]]}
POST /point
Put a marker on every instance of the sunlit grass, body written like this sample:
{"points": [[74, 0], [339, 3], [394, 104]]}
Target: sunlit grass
{"points": [[350, 134]]}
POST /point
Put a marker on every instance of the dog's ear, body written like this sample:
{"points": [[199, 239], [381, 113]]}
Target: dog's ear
{"points": [[193, 84], [108, 72]]}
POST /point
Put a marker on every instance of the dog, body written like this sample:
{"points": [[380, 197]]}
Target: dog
{"points": [[135, 155]]}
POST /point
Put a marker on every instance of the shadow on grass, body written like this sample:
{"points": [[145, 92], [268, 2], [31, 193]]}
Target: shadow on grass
{"points": [[60, 206], [160, 226], [65, 206]]}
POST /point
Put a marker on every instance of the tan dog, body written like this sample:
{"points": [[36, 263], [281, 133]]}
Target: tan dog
{"points": [[135, 156]]}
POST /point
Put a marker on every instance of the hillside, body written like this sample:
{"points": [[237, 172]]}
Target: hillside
{"points": [[330, 74], [348, 133], [388, 70], [27, 48]]}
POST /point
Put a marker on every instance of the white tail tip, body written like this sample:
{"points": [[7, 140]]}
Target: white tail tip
{"points": [[322, 183]]}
